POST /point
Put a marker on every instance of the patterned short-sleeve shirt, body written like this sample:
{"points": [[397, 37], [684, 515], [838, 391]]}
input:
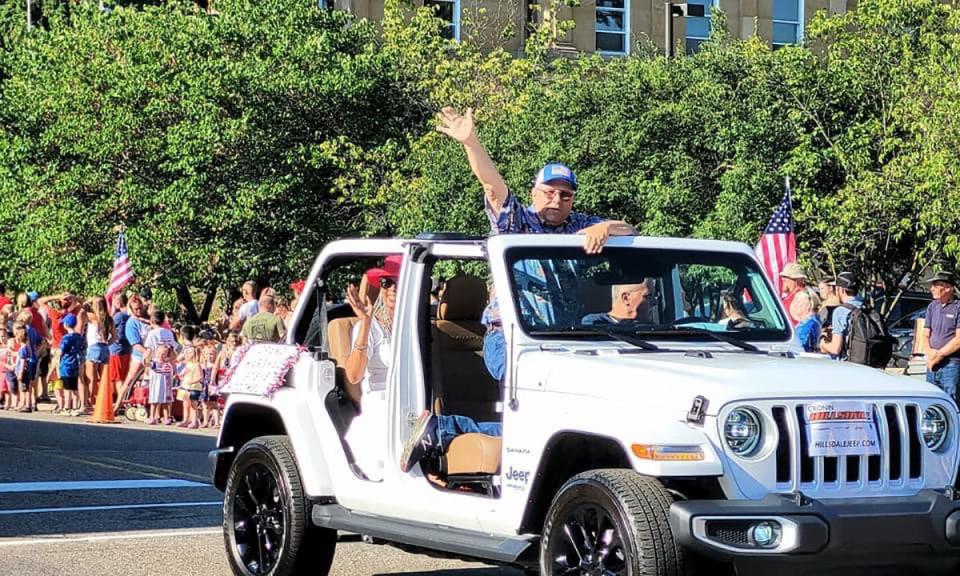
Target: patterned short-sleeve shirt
{"points": [[515, 218]]}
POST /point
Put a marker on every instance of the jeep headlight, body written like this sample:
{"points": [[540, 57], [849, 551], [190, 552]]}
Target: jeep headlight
{"points": [[743, 431], [934, 427]]}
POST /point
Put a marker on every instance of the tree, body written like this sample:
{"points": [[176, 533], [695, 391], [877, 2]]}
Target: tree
{"points": [[216, 141]]}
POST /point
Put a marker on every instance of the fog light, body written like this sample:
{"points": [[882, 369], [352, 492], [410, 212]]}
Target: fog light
{"points": [[765, 534]]}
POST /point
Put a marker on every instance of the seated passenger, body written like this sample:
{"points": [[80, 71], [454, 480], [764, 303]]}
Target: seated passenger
{"points": [[628, 305], [734, 316], [367, 367], [433, 434]]}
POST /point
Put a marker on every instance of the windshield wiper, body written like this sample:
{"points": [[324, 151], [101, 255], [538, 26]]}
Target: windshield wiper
{"points": [[718, 336], [601, 330]]}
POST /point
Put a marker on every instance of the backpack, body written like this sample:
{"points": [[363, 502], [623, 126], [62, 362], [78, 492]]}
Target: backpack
{"points": [[867, 340]]}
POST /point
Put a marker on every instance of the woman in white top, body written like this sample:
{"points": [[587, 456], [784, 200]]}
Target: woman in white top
{"points": [[100, 333], [368, 365]]}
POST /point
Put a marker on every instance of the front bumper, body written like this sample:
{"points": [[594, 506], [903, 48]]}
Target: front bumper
{"points": [[898, 535]]}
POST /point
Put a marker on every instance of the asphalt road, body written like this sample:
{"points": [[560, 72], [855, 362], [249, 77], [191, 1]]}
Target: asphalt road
{"points": [[97, 500]]}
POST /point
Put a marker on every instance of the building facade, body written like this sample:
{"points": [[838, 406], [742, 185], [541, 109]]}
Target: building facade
{"points": [[615, 27]]}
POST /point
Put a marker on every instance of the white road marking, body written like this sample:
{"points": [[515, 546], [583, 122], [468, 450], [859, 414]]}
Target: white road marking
{"points": [[10, 487], [62, 539], [115, 507]]}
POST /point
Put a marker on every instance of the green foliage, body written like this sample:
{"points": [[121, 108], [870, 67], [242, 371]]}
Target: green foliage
{"points": [[235, 146], [211, 139]]}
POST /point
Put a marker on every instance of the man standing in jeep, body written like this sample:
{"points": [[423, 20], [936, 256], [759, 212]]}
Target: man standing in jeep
{"points": [[553, 192], [940, 338]]}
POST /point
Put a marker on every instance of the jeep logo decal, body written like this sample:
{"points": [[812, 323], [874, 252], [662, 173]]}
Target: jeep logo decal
{"points": [[518, 475]]}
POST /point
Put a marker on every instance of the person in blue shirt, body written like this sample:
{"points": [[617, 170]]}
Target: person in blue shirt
{"points": [[135, 331], [25, 368], [71, 357], [804, 308], [847, 290]]}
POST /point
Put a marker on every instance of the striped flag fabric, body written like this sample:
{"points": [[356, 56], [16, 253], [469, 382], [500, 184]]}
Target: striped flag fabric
{"points": [[778, 244], [122, 271]]}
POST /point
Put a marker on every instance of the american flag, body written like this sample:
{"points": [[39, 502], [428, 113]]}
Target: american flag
{"points": [[122, 272], [778, 244]]}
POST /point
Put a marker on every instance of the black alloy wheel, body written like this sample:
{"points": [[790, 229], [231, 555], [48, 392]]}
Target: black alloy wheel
{"points": [[258, 520], [591, 543], [610, 523], [266, 515]]}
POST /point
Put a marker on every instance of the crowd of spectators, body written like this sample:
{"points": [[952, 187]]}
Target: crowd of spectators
{"points": [[60, 349]]}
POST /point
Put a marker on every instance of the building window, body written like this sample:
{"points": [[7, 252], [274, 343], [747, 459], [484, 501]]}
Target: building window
{"points": [[698, 27], [787, 22], [448, 11], [613, 26]]}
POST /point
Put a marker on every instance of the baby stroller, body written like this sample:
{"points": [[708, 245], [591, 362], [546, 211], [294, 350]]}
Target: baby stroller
{"points": [[133, 405]]}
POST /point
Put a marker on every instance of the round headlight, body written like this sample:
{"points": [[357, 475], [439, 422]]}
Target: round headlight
{"points": [[743, 432], [934, 427]]}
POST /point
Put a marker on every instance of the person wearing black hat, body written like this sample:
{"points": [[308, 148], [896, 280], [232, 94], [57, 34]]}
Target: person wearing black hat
{"points": [[849, 301], [940, 337]]}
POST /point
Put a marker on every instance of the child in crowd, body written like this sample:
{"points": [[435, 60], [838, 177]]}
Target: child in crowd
{"points": [[191, 386], [71, 358], [161, 383], [208, 398], [25, 368], [8, 357]]}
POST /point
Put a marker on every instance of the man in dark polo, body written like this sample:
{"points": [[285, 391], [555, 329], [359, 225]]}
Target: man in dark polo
{"points": [[940, 338]]}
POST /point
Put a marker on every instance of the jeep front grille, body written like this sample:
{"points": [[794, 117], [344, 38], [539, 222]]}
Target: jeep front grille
{"points": [[900, 461]]}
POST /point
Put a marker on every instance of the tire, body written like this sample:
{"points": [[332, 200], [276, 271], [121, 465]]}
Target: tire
{"points": [[623, 520], [267, 529], [141, 414], [130, 413]]}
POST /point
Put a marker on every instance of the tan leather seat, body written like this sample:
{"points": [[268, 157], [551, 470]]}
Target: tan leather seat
{"points": [[461, 383], [474, 454], [340, 338]]}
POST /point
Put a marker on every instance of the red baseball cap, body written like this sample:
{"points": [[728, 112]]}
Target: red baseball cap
{"points": [[297, 286], [390, 269]]}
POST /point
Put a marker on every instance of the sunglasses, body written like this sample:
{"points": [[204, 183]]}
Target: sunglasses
{"points": [[387, 283], [565, 195]]}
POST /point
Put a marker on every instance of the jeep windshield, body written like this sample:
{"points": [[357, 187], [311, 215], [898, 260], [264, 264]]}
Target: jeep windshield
{"points": [[648, 293]]}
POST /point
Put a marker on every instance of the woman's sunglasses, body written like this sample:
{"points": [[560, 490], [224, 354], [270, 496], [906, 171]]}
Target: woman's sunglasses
{"points": [[387, 283]]}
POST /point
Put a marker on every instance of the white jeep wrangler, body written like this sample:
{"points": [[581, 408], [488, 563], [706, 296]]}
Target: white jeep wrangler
{"points": [[694, 437]]}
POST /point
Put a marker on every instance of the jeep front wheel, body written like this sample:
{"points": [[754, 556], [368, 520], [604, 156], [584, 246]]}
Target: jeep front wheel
{"points": [[266, 516], [610, 522]]}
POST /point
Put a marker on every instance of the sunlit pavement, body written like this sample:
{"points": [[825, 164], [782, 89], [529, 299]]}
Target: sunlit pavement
{"points": [[90, 500]]}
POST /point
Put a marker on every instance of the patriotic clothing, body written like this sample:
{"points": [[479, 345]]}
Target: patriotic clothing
{"points": [[778, 245], [161, 382], [515, 218]]}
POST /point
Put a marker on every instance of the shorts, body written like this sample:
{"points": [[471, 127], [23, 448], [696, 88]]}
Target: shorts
{"points": [[119, 366], [56, 384], [10, 380], [43, 367], [195, 395], [69, 383], [24, 381], [99, 353]]}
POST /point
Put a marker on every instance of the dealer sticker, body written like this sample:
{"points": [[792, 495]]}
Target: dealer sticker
{"points": [[841, 428]]}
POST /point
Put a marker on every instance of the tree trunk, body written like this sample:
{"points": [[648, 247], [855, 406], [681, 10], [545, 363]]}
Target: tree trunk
{"points": [[208, 301], [186, 303]]}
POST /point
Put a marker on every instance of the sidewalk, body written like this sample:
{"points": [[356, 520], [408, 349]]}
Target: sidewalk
{"points": [[44, 413]]}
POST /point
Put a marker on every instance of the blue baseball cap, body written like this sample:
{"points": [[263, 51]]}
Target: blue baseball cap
{"points": [[70, 320], [556, 171], [33, 296]]}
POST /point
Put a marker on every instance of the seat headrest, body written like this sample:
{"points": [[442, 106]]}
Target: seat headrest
{"points": [[463, 298]]}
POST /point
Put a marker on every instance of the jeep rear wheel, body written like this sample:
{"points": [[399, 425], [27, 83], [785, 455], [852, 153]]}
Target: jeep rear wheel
{"points": [[610, 522], [266, 516]]}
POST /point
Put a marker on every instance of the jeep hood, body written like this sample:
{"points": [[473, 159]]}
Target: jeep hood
{"points": [[722, 378]]}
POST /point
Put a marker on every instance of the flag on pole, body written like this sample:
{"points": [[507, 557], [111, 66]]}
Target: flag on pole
{"points": [[778, 244], [122, 272]]}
